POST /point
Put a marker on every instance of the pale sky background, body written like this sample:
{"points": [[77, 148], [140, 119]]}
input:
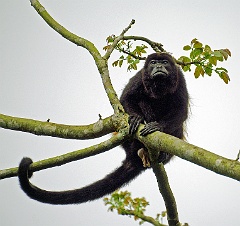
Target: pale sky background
{"points": [[43, 76]]}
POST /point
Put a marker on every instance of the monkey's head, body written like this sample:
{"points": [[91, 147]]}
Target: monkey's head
{"points": [[160, 75]]}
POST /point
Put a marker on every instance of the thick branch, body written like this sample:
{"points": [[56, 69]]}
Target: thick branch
{"points": [[98, 129], [69, 157], [163, 142], [79, 41], [99, 60]]}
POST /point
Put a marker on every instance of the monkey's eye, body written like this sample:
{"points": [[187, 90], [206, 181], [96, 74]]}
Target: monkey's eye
{"points": [[153, 62], [165, 62]]}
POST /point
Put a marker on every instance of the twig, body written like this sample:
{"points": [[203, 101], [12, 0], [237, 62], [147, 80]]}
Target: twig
{"points": [[116, 40], [143, 217], [157, 47], [238, 156]]}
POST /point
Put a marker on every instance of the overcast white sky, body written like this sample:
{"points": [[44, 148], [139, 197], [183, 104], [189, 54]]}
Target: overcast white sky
{"points": [[43, 76]]}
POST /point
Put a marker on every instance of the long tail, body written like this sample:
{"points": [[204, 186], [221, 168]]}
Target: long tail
{"points": [[122, 175]]}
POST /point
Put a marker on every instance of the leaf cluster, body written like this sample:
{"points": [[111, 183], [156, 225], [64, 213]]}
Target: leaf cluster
{"points": [[205, 59], [126, 205], [132, 54]]}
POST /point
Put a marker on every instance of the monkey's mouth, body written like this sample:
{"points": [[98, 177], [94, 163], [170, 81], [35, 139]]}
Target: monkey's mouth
{"points": [[159, 73]]}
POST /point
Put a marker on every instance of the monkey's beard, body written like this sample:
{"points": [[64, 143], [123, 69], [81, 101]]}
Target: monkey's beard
{"points": [[159, 86]]}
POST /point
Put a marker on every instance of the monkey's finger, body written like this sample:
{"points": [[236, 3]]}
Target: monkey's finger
{"points": [[150, 128], [134, 122]]}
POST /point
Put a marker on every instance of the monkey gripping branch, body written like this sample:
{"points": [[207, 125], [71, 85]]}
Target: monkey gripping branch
{"points": [[156, 97]]}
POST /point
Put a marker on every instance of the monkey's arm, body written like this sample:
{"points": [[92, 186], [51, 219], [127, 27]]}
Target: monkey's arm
{"points": [[130, 104], [169, 124], [130, 101]]}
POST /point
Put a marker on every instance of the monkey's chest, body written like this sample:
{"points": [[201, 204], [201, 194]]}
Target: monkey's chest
{"points": [[154, 110]]}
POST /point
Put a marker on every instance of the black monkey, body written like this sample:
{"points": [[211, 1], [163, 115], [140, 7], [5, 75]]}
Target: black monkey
{"points": [[156, 95]]}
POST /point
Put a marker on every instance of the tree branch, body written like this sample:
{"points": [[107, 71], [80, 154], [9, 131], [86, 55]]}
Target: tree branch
{"points": [[79, 41], [98, 129], [145, 218], [116, 40], [157, 47], [167, 194], [163, 142], [69, 157]]}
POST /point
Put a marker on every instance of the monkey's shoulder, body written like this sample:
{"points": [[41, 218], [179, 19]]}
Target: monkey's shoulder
{"points": [[135, 86]]}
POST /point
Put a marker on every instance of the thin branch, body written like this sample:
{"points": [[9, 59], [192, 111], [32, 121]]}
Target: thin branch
{"points": [[131, 54], [116, 40], [114, 141], [157, 47], [145, 218]]}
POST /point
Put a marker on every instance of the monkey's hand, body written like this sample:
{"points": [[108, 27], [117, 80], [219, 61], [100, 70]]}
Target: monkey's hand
{"points": [[134, 122], [150, 128]]}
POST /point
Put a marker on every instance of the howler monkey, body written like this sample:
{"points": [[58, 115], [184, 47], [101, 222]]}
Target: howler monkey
{"points": [[156, 95]]}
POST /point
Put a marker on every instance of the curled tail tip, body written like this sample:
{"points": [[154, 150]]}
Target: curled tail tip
{"points": [[26, 160], [23, 169]]}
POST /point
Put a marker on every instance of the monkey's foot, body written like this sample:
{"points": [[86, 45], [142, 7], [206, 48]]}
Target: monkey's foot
{"points": [[143, 154]]}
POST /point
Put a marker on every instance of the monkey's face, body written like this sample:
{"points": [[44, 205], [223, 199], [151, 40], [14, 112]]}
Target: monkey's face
{"points": [[158, 67], [160, 75]]}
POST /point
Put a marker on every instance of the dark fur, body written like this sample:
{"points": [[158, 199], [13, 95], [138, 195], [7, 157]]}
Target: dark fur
{"points": [[163, 99]]}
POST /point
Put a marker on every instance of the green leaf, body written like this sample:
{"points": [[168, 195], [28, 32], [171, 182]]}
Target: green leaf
{"points": [[198, 71], [228, 52], [213, 60], [184, 59], [206, 55], [129, 59], [208, 70], [217, 53], [207, 49], [224, 53], [221, 69], [187, 47], [137, 61], [197, 45], [115, 63], [134, 66], [194, 41], [110, 38], [195, 53], [120, 63], [224, 76], [186, 68]]}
